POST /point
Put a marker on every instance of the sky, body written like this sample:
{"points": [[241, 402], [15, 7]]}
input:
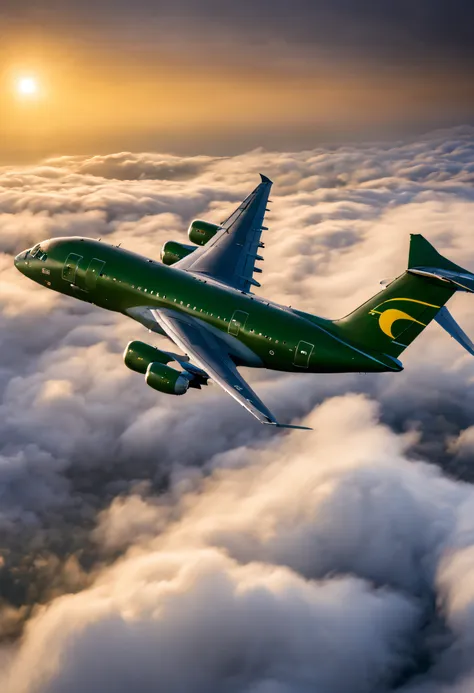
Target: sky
{"points": [[221, 78], [146, 538]]}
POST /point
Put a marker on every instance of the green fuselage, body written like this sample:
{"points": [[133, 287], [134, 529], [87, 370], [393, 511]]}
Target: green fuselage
{"points": [[277, 337]]}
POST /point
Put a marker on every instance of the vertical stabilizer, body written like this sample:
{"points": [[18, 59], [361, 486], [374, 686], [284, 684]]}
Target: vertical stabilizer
{"points": [[393, 318]]}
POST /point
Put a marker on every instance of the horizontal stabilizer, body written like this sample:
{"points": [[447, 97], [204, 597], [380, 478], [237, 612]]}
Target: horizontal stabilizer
{"points": [[425, 261], [461, 281], [448, 323]]}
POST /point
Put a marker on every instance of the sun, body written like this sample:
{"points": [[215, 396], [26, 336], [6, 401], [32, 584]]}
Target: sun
{"points": [[27, 86]]}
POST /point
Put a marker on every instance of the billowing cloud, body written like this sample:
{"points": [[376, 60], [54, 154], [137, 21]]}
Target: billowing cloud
{"points": [[146, 538], [310, 564]]}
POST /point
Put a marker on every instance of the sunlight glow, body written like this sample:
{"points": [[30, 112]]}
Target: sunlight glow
{"points": [[27, 86]]}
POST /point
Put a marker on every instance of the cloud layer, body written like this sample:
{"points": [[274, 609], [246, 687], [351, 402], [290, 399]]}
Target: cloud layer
{"points": [[146, 538]]}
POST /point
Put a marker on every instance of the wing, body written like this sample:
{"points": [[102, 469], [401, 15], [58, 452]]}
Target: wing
{"points": [[231, 255], [209, 353]]}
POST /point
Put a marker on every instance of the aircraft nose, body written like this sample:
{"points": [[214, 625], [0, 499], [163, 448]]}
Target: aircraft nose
{"points": [[20, 261]]}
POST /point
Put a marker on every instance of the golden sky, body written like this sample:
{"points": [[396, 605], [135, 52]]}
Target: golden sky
{"points": [[220, 97]]}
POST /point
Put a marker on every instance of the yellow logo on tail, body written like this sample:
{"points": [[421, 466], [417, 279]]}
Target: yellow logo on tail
{"points": [[389, 316]]}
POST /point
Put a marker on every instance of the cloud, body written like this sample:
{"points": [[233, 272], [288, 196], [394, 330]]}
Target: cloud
{"points": [[133, 523], [130, 166], [315, 564]]}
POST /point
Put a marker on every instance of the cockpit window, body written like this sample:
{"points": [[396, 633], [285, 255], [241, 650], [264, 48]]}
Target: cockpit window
{"points": [[38, 252]]}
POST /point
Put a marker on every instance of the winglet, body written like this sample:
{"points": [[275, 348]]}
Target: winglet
{"points": [[279, 425], [265, 179]]}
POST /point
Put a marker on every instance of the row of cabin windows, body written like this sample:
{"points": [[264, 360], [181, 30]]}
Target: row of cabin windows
{"points": [[188, 305]]}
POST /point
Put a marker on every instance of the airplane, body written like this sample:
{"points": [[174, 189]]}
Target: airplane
{"points": [[200, 297]]}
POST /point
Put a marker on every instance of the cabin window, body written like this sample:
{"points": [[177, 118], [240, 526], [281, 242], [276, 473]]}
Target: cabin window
{"points": [[70, 267]]}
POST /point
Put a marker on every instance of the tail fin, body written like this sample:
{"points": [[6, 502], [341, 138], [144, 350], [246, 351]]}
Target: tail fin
{"points": [[391, 320], [423, 254]]}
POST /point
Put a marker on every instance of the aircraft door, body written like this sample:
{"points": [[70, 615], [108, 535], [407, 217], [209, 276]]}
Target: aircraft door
{"points": [[70, 267], [302, 354], [237, 322], [93, 272]]}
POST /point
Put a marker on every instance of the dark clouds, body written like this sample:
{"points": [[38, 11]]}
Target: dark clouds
{"points": [[400, 31], [337, 560]]}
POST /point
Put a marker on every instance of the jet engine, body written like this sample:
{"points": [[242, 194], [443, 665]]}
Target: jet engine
{"points": [[200, 232], [138, 356], [172, 252], [166, 379], [147, 359]]}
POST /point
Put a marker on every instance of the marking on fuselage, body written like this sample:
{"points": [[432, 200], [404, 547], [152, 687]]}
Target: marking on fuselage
{"points": [[410, 300], [389, 316]]}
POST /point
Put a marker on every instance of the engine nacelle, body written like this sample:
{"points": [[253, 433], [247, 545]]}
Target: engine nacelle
{"points": [[138, 356], [166, 379], [172, 252], [200, 232]]}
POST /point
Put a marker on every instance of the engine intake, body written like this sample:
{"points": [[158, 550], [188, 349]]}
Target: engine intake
{"points": [[172, 252], [166, 379], [200, 232], [138, 356], [147, 359]]}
